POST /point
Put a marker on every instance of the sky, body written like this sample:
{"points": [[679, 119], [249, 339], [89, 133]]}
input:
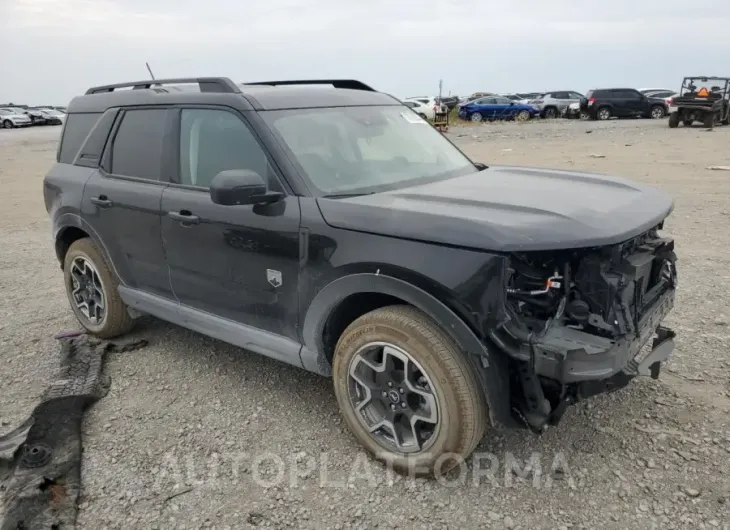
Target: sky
{"points": [[52, 50]]}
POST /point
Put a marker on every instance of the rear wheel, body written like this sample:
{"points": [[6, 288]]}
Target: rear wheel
{"points": [[657, 112], [550, 113], [91, 287], [7, 124], [604, 113], [406, 391]]}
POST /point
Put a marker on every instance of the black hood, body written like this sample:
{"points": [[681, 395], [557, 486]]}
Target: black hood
{"points": [[508, 209]]}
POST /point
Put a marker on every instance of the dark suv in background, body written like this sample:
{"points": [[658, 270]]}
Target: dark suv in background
{"points": [[606, 103], [332, 228]]}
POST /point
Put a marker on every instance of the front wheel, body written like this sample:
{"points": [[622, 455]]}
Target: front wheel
{"points": [[674, 120], [476, 117], [406, 391], [91, 287], [709, 120], [523, 115]]}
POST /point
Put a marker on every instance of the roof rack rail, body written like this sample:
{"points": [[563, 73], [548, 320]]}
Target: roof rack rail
{"points": [[352, 84], [207, 84]]}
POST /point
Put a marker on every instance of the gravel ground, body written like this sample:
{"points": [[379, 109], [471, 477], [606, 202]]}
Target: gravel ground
{"points": [[198, 434]]}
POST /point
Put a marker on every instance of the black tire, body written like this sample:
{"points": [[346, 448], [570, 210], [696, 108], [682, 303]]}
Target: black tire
{"points": [[709, 120], [603, 113], [116, 320], [550, 113], [7, 124], [674, 120], [462, 410], [523, 115], [657, 112], [477, 117]]}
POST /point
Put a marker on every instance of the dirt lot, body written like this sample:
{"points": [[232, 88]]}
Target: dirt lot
{"points": [[247, 442]]}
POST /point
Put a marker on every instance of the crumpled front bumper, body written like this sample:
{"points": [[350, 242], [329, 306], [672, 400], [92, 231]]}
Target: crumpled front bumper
{"points": [[569, 355]]}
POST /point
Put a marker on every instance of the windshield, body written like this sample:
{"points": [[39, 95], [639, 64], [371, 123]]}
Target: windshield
{"points": [[357, 150]]}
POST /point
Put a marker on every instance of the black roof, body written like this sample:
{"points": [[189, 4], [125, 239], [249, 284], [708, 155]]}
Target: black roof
{"points": [[270, 95]]}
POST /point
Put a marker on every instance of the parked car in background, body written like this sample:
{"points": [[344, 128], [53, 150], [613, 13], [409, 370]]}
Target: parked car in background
{"points": [[648, 90], [528, 95], [11, 118], [513, 97], [51, 116], [429, 102], [606, 103], [496, 108], [450, 101], [667, 95], [424, 111], [554, 104]]}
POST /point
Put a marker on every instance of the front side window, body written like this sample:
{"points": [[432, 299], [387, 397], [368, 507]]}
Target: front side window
{"points": [[137, 148], [214, 140], [351, 150]]}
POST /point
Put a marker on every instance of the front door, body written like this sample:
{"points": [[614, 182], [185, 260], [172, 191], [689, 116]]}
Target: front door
{"points": [[240, 263], [121, 200]]}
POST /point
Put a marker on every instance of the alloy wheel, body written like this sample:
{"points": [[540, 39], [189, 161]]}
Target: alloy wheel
{"points": [[476, 117], [657, 113], [87, 291], [523, 115], [604, 114], [393, 397]]}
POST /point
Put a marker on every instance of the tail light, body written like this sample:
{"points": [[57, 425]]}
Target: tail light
{"points": [[591, 101], [670, 100]]}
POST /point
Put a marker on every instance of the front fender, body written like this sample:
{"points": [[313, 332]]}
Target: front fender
{"points": [[490, 367]]}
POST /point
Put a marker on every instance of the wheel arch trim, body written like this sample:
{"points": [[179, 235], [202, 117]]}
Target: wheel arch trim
{"points": [[490, 367]]}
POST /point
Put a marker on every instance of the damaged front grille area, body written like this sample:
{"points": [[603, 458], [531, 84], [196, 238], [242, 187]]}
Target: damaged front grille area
{"points": [[604, 291], [581, 317]]}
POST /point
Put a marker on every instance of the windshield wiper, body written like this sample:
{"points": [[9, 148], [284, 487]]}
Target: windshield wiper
{"points": [[346, 195]]}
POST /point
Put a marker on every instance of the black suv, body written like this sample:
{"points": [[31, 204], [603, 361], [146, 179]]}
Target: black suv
{"points": [[330, 227], [606, 103]]}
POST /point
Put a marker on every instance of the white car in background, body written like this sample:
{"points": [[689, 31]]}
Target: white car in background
{"points": [[424, 106], [10, 118], [666, 94]]}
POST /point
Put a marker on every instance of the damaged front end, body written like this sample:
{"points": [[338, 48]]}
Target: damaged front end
{"points": [[578, 320]]}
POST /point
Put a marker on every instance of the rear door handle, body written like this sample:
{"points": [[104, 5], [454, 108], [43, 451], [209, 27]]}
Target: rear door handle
{"points": [[101, 201], [184, 217]]}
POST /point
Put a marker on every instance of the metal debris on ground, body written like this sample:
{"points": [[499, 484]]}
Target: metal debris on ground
{"points": [[718, 168], [40, 461]]}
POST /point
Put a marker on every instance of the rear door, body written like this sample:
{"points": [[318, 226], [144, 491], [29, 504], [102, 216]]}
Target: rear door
{"points": [[121, 200]]}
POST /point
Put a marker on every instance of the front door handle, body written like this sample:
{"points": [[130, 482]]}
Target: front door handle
{"points": [[184, 217], [101, 201]]}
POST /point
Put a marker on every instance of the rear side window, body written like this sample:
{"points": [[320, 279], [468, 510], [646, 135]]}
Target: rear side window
{"points": [[137, 147], [77, 128]]}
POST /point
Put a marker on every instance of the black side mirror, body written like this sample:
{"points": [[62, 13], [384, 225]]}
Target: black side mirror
{"points": [[240, 186]]}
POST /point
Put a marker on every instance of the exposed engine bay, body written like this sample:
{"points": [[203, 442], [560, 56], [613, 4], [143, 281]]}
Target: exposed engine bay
{"points": [[578, 320]]}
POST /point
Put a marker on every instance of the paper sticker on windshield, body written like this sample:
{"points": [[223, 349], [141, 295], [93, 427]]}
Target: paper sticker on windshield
{"points": [[412, 118]]}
